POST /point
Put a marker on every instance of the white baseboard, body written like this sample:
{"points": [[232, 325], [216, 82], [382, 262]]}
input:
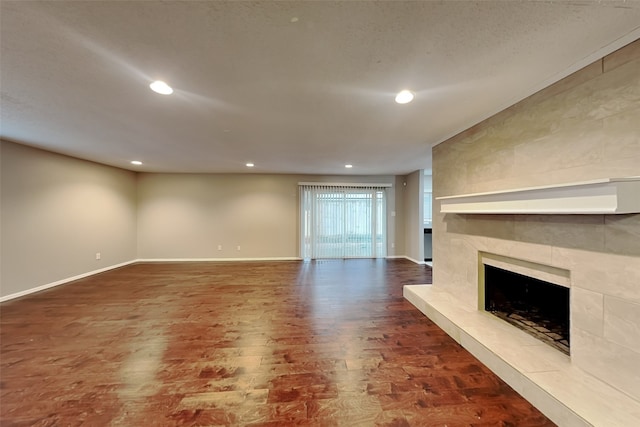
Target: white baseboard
{"points": [[407, 258], [63, 281], [217, 259], [102, 270], [414, 260]]}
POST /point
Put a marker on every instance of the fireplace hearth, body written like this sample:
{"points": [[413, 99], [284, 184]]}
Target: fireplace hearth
{"points": [[537, 307]]}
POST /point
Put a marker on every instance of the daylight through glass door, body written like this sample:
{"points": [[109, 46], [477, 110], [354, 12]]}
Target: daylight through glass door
{"points": [[342, 222]]}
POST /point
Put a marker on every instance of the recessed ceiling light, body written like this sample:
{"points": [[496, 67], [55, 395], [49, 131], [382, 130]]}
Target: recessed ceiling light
{"points": [[348, 166], [404, 97], [161, 87], [250, 165], [136, 162]]}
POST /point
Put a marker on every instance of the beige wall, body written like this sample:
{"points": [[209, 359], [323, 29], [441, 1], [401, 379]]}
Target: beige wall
{"points": [[586, 126], [57, 212], [189, 215], [413, 194], [401, 220]]}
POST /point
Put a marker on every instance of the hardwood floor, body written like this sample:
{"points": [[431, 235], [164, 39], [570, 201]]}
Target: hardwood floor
{"points": [[267, 344]]}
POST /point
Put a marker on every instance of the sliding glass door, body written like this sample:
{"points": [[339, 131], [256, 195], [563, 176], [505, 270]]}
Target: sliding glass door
{"points": [[342, 222]]}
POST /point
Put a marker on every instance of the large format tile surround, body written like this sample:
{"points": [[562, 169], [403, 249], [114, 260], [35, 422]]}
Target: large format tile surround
{"points": [[585, 127]]}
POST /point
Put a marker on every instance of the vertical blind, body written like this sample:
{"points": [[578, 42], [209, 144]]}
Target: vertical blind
{"points": [[343, 220]]}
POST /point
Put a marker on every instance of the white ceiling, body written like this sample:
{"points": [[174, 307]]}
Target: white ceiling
{"points": [[292, 97]]}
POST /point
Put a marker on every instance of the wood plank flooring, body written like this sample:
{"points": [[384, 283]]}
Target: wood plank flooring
{"points": [[245, 344]]}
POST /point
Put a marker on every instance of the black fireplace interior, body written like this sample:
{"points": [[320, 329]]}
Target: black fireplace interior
{"points": [[539, 308]]}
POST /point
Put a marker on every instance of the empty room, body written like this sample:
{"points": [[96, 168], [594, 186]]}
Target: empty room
{"points": [[327, 213]]}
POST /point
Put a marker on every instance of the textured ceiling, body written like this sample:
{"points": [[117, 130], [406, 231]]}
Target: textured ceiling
{"points": [[295, 87]]}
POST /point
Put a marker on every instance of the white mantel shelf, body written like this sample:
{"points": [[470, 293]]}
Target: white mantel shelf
{"points": [[603, 196]]}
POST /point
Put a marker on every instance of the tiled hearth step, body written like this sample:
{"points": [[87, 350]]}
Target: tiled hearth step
{"points": [[543, 375]]}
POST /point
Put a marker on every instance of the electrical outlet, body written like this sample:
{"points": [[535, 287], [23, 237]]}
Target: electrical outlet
{"points": [[98, 255], [238, 247], [219, 247], [393, 245]]}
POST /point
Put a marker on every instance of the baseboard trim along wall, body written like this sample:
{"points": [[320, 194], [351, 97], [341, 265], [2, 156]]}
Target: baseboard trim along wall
{"points": [[102, 270], [217, 259], [408, 258], [63, 281]]}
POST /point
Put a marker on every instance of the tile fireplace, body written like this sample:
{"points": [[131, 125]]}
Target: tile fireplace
{"points": [[535, 306], [539, 182]]}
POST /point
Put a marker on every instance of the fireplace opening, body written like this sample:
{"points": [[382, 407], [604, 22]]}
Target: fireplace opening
{"points": [[537, 307]]}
